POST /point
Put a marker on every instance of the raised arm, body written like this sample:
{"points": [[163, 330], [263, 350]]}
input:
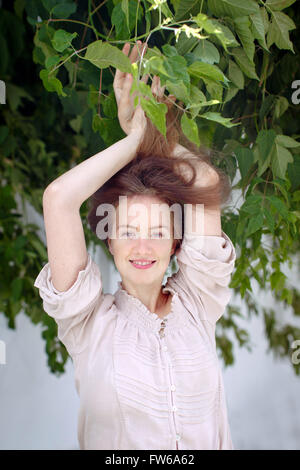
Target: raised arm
{"points": [[63, 197], [62, 200], [206, 257], [209, 217]]}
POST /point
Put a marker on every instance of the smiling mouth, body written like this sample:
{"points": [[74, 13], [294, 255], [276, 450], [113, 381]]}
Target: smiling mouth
{"points": [[142, 266]]}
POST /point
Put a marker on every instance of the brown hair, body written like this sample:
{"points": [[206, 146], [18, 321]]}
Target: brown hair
{"points": [[155, 171]]}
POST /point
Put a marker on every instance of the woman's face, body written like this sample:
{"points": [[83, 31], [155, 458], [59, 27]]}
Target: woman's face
{"points": [[144, 233]]}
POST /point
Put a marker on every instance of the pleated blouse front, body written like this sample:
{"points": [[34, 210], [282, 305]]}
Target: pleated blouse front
{"points": [[145, 382]]}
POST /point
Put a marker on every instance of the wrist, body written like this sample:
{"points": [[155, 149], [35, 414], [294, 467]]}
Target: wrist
{"points": [[136, 136]]}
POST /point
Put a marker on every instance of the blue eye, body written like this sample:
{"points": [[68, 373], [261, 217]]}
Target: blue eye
{"points": [[128, 235], [160, 235]]}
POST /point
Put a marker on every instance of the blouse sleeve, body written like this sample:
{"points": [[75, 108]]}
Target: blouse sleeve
{"points": [[205, 265], [73, 309]]}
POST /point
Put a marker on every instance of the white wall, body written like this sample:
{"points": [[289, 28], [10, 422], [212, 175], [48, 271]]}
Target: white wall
{"points": [[39, 410]]}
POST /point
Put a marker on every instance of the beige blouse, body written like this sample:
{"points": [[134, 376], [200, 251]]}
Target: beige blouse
{"points": [[145, 382]]}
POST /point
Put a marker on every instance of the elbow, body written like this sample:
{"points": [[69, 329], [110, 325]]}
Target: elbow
{"points": [[52, 192], [55, 195]]}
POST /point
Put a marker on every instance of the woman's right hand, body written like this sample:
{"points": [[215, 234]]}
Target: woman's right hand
{"points": [[132, 119]]}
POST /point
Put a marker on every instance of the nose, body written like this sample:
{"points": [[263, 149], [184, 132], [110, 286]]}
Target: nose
{"points": [[142, 245]]}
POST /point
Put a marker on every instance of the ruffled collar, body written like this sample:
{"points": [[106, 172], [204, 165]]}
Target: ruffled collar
{"points": [[138, 313]]}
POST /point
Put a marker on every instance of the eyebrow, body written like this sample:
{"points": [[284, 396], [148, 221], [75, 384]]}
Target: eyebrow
{"points": [[132, 226]]}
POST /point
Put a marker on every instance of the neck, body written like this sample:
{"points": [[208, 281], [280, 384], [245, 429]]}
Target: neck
{"points": [[150, 295]]}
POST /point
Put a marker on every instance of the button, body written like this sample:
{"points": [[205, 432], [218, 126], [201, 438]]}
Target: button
{"points": [[165, 348], [173, 388], [178, 437], [174, 408]]}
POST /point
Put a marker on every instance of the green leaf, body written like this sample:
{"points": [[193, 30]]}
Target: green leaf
{"points": [[265, 140], [277, 280], [123, 16], [266, 106], [183, 8], [62, 39], [245, 159], [76, 124], [97, 123], [258, 27], [278, 183], [19, 6], [42, 40], [52, 61], [279, 31], [247, 67], [49, 4], [206, 72], [124, 6], [109, 129], [281, 106], [51, 83], [64, 10], [110, 107], [179, 90], [279, 4], [242, 28], [294, 172], [15, 95], [4, 55], [232, 8], [236, 75], [156, 112], [217, 117], [40, 247], [280, 159], [190, 129], [213, 26], [16, 289], [4, 131], [102, 55], [252, 204], [214, 89], [286, 141], [279, 206], [198, 100], [230, 93], [255, 223], [224, 34], [270, 221], [206, 52]]}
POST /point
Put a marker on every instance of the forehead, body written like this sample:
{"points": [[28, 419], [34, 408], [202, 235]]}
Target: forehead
{"points": [[142, 208]]}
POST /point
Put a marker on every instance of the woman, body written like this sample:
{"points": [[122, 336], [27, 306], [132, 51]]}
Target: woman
{"points": [[146, 367]]}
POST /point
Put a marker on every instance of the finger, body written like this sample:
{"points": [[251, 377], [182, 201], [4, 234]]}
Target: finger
{"points": [[126, 97], [161, 89], [119, 75], [171, 100], [141, 50], [156, 87], [137, 51], [145, 78]]}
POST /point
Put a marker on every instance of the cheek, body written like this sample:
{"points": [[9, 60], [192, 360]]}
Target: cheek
{"points": [[164, 249], [122, 249]]}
